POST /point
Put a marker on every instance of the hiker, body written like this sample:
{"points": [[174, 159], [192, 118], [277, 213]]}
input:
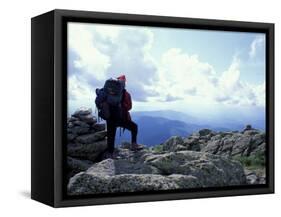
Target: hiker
{"points": [[114, 102]]}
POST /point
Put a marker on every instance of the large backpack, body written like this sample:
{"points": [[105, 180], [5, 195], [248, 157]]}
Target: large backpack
{"points": [[114, 90], [108, 99], [102, 105]]}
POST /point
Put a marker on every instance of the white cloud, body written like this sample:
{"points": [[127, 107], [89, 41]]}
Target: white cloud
{"points": [[99, 52], [256, 43], [91, 62], [102, 51], [78, 89], [185, 77], [107, 31]]}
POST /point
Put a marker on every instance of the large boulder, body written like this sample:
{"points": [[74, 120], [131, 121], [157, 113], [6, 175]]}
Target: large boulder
{"points": [[75, 166], [89, 151], [241, 145], [98, 127], [173, 143], [105, 177], [192, 143], [231, 144], [89, 119], [121, 166], [205, 132], [91, 138], [83, 111], [212, 147], [79, 130], [84, 183], [145, 171], [211, 170]]}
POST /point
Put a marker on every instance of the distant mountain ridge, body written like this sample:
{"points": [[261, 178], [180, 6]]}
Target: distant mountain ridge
{"points": [[157, 126], [153, 130], [232, 120]]}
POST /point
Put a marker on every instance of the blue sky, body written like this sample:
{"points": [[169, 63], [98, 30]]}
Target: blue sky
{"points": [[216, 48], [168, 68]]}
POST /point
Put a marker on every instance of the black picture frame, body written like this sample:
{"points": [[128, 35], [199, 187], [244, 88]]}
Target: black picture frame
{"points": [[49, 86]]}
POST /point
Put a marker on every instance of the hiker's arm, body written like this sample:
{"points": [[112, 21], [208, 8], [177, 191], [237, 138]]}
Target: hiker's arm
{"points": [[128, 102]]}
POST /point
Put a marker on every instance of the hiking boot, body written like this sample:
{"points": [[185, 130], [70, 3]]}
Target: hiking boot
{"points": [[136, 147]]}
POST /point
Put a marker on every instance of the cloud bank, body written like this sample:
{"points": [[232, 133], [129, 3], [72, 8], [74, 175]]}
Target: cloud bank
{"points": [[97, 52]]}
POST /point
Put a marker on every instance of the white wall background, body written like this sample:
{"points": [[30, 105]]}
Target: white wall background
{"points": [[15, 106]]}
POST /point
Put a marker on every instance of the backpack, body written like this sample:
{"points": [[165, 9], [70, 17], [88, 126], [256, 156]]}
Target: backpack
{"points": [[108, 99], [113, 89], [102, 105]]}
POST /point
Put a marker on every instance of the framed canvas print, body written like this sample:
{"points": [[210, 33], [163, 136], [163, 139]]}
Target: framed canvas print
{"points": [[134, 108]]}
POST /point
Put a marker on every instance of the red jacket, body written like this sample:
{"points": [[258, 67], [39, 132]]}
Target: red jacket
{"points": [[126, 105]]}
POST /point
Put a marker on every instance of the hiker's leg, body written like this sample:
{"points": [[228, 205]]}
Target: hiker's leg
{"points": [[133, 127], [111, 131]]}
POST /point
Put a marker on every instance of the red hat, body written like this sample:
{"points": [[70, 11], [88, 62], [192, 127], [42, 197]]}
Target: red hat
{"points": [[122, 78]]}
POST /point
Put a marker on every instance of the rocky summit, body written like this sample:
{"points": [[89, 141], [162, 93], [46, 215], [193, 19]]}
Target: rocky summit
{"points": [[203, 159]]}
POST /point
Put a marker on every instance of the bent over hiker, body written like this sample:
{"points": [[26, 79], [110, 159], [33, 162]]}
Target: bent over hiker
{"points": [[114, 103]]}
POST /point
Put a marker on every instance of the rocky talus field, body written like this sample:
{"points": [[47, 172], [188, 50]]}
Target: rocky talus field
{"points": [[203, 159]]}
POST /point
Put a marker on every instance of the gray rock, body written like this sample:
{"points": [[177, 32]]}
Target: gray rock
{"points": [[82, 112], [247, 127], [71, 119], [226, 134], [192, 143], [81, 124], [182, 148], [257, 141], [103, 168], [99, 127], [211, 170], [75, 166], [70, 125], [111, 176], [260, 149], [70, 137], [87, 151], [145, 172], [84, 183], [89, 119], [234, 143], [172, 143], [212, 146], [109, 167], [251, 132], [252, 179], [241, 145], [226, 146], [77, 130], [216, 137], [204, 132], [91, 138]]}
